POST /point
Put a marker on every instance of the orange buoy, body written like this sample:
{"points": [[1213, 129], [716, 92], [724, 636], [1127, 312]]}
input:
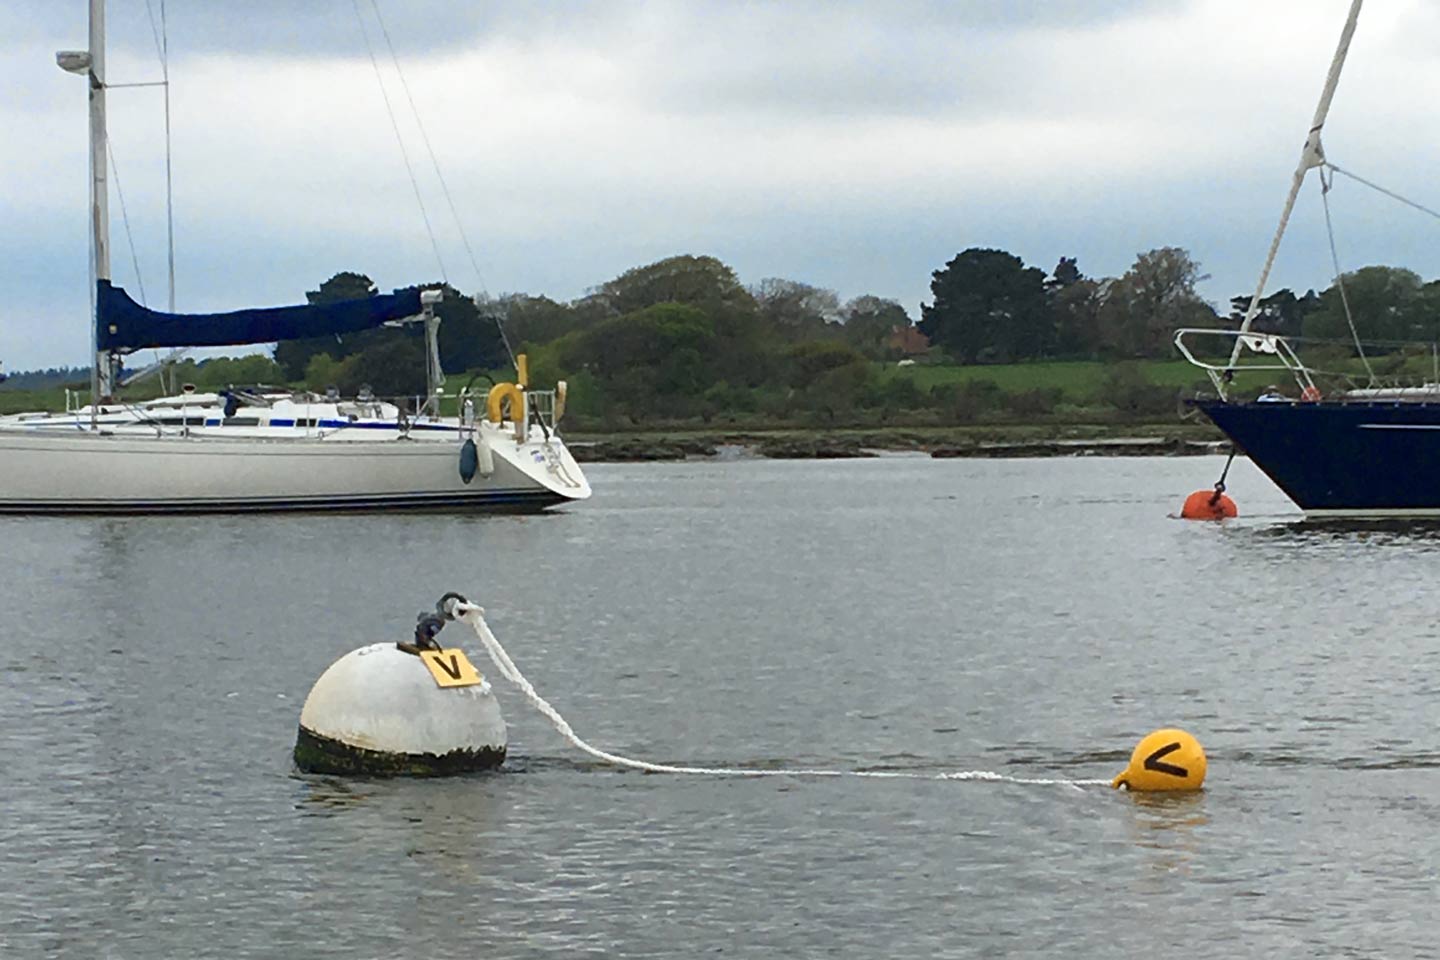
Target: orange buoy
{"points": [[1208, 505], [1310, 395]]}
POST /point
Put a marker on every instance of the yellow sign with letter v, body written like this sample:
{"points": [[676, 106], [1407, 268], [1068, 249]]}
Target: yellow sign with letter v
{"points": [[451, 668]]}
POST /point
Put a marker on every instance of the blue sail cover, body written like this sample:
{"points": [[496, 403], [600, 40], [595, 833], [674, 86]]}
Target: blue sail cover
{"points": [[123, 325]]}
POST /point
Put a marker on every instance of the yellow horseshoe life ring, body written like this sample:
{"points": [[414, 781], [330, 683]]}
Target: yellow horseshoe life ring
{"points": [[499, 395]]}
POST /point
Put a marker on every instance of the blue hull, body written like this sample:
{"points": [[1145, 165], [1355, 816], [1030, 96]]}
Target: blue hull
{"points": [[1347, 458]]}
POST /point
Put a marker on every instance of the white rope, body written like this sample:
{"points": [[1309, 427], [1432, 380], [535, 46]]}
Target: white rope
{"points": [[474, 617]]}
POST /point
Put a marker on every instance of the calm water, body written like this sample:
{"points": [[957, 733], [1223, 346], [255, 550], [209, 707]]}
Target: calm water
{"points": [[1033, 618]]}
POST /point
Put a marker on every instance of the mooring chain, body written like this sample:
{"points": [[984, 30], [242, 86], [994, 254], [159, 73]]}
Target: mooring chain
{"points": [[1220, 484]]}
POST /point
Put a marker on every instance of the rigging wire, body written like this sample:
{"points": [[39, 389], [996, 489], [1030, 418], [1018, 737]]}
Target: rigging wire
{"points": [[1389, 193], [125, 219], [404, 153], [1325, 184], [435, 163], [169, 193], [161, 35], [429, 147]]}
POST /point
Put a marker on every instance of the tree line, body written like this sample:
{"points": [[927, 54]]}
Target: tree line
{"points": [[47, 378], [686, 325], [989, 307], [681, 336], [684, 338]]}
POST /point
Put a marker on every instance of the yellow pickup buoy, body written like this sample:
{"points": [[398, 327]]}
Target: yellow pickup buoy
{"points": [[1166, 760]]}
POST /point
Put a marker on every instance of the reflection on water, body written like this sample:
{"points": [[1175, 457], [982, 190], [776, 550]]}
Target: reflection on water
{"points": [[1378, 531], [324, 796], [1034, 618], [1168, 811], [1167, 831]]}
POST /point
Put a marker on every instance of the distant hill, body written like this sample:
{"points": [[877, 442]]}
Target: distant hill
{"points": [[44, 379]]}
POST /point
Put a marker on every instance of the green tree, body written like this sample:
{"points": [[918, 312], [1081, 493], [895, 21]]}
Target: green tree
{"points": [[740, 353], [989, 307], [646, 361], [1141, 311], [1426, 312], [797, 311], [469, 338], [828, 376], [1076, 307], [1388, 304], [811, 360], [1066, 273], [250, 370], [702, 282], [323, 371], [870, 322], [393, 367], [1282, 312], [294, 355], [534, 320]]}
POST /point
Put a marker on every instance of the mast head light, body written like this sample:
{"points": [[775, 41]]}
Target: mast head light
{"points": [[74, 61]]}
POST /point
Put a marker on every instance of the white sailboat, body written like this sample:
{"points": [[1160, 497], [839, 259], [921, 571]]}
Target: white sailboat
{"points": [[261, 449]]}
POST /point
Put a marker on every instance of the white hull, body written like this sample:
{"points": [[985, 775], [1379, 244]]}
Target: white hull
{"points": [[266, 448], [85, 472], [1409, 513]]}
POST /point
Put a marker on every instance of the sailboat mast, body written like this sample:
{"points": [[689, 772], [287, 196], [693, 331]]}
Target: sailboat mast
{"points": [[1312, 155], [102, 377]]}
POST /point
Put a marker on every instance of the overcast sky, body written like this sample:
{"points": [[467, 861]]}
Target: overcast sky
{"points": [[856, 146]]}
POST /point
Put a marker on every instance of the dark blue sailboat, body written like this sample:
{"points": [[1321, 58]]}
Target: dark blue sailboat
{"points": [[1348, 457], [1371, 451]]}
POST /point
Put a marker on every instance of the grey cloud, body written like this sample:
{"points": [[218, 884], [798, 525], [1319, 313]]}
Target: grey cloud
{"points": [[767, 60], [847, 60], [640, 130], [300, 29], [306, 29]]}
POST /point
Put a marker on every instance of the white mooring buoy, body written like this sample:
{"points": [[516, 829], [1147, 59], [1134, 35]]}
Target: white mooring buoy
{"points": [[401, 709]]}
